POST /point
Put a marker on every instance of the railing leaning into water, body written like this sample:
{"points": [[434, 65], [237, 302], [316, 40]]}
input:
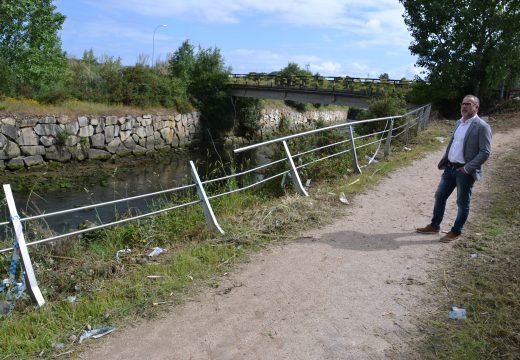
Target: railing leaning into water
{"points": [[20, 251]]}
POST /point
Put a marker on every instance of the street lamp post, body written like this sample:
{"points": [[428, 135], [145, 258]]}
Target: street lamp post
{"points": [[153, 41]]}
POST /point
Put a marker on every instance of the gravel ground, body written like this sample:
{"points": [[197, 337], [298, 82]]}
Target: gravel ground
{"points": [[351, 290]]}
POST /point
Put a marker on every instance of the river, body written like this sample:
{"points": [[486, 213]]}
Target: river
{"points": [[145, 176]]}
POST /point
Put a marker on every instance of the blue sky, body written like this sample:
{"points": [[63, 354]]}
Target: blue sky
{"points": [[333, 37]]}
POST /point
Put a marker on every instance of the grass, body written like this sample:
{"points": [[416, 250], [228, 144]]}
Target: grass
{"points": [[112, 293], [71, 108], [487, 286]]}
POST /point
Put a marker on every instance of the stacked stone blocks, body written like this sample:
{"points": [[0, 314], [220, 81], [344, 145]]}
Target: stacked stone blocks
{"points": [[33, 141]]}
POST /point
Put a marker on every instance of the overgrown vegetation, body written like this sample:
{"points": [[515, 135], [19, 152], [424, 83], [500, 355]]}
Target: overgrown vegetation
{"points": [[461, 56], [485, 283], [108, 292]]}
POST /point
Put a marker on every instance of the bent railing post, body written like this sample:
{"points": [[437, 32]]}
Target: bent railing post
{"points": [[406, 131], [32, 286], [427, 116], [297, 183], [389, 137], [211, 220], [353, 152], [420, 117]]}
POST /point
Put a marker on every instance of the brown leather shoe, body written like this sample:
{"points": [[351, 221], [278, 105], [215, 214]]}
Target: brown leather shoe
{"points": [[428, 229], [449, 237]]}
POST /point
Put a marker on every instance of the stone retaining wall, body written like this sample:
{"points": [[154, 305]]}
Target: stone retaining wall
{"points": [[274, 120], [25, 142], [36, 140]]}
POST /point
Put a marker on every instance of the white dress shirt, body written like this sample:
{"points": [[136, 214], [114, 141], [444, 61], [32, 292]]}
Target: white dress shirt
{"points": [[456, 154]]}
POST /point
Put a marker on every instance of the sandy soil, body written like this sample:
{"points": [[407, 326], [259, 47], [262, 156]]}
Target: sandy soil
{"points": [[351, 290]]}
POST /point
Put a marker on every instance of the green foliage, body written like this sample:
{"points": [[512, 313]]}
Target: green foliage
{"points": [[208, 87], [30, 46], [61, 138], [7, 79], [388, 105], [248, 113], [293, 75], [182, 62], [465, 46]]}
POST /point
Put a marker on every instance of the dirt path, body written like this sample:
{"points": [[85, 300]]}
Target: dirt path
{"points": [[350, 290]]}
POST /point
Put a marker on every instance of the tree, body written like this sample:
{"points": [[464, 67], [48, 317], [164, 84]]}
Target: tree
{"points": [[30, 45], [208, 86], [182, 61], [466, 46]]}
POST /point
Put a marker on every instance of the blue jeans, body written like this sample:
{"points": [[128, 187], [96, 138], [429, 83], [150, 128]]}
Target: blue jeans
{"points": [[451, 179]]}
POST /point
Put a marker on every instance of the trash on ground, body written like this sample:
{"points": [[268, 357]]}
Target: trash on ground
{"points": [[457, 313], [161, 303], [343, 199], [58, 346], [5, 307], [96, 333], [122, 251], [156, 251], [71, 299], [371, 159], [473, 256], [406, 148], [308, 183], [153, 277], [440, 139]]}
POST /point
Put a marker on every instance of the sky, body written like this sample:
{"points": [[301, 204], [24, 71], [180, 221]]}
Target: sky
{"points": [[358, 38]]}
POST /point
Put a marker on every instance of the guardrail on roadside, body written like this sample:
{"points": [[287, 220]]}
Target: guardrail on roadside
{"points": [[20, 250]]}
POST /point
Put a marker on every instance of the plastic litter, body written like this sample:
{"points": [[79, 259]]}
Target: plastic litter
{"points": [[156, 251], [371, 160], [406, 148], [343, 199], [153, 277], [71, 299], [96, 333], [473, 256], [122, 251], [440, 139], [457, 313], [308, 183]]}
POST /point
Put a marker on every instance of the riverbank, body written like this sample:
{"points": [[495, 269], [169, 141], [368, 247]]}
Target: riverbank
{"points": [[33, 140], [115, 293], [359, 287]]}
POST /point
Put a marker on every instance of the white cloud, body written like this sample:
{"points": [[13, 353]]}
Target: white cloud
{"points": [[326, 68]]}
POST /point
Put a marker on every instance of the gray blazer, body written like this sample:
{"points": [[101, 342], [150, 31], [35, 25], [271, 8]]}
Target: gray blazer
{"points": [[477, 147]]}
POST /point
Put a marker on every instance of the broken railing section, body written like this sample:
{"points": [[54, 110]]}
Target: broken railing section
{"points": [[20, 248], [206, 206], [418, 117]]}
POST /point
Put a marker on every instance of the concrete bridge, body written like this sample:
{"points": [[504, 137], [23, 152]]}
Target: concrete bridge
{"points": [[355, 92]]}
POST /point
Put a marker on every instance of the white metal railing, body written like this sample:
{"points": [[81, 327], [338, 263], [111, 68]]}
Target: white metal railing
{"points": [[418, 117]]}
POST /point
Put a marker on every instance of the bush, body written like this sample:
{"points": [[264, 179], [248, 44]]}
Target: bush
{"points": [[388, 105], [248, 113]]}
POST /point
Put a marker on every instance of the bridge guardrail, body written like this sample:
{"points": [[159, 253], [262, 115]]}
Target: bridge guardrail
{"points": [[20, 250], [353, 85]]}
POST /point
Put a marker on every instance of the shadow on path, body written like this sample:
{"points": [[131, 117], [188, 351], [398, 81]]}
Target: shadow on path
{"points": [[354, 240]]}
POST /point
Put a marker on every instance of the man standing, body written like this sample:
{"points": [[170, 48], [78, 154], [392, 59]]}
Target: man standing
{"points": [[468, 149]]}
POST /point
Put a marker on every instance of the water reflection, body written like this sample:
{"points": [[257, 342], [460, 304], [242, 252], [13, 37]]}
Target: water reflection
{"points": [[148, 176]]}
